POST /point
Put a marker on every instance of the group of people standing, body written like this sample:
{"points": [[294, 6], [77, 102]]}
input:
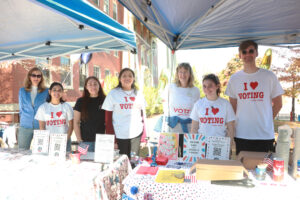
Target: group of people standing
{"points": [[254, 94], [94, 113], [247, 118]]}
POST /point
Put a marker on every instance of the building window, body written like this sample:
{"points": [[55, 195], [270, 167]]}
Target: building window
{"points": [[66, 72], [96, 2], [44, 65], [83, 73], [116, 74], [106, 6], [142, 30], [134, 24], [115, 11], [97, 72], [143, 60], [116, 53], [106, 72]]}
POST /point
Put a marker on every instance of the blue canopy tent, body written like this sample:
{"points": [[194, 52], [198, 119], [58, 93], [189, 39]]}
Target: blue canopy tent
{"points": [[196, 24], [50, 28]]}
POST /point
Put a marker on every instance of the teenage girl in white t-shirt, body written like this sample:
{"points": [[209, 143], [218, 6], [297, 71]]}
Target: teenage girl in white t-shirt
{"points": [[55, 114], [213, 115], [126, 105]]}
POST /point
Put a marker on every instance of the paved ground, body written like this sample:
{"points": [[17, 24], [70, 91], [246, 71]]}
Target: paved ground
{"points": [[150, 124]]}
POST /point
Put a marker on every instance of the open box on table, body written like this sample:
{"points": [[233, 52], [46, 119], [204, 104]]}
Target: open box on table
{"points": [[218, 170]]}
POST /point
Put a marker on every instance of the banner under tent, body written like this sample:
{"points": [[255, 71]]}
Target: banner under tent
{"points": [[51, 28]]}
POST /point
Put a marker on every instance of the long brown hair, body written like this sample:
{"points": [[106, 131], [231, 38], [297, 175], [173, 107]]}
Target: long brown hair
{"points": [[86, 97], [133, 86], [187, 67], [28, 83]]}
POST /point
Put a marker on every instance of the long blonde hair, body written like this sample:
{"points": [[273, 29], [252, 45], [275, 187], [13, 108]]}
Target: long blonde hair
{"points": [[187, 67], [28, 83]]}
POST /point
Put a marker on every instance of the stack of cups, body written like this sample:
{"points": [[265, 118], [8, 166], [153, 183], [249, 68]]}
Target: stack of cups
{"points": [[283, 144], [296, 153]]}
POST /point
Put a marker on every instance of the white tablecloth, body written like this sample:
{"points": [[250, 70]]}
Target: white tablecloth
{"points": [[26, 176]]}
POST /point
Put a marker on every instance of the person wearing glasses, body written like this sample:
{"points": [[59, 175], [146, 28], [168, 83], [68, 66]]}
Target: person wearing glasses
{"points": [[255, 95], [31, 97]]}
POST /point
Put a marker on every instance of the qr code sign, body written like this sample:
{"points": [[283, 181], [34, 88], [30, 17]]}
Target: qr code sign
{"points": [[217, 151], [40, 141], [57, 147]]}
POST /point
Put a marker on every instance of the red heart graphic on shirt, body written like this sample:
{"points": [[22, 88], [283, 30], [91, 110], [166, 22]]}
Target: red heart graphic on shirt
{"points": [[254, 85], [58, 114], [132, 98], [214, 110]]}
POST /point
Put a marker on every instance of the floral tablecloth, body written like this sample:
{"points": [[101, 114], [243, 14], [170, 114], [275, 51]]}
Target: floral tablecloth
{"points": [[268, 189], [25, 176]]}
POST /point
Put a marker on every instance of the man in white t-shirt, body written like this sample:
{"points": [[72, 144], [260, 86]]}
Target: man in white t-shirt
{"points": [[255, 95]]}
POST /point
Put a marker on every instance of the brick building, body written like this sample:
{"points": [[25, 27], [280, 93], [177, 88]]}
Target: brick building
{"points": [[69, 70]]}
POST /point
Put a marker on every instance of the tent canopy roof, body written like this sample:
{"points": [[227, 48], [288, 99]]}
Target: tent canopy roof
{"points": [[50, 28], [196, 24]]}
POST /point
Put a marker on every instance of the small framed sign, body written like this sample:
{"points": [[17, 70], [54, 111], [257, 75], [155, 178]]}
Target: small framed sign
{"points": [[218, 148], [58, 146], [104, 148], [168, 145], [40, 141], [193, 147]]}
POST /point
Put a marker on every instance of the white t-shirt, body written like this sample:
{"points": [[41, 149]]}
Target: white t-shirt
{"points": [[56, 117], [212, 116], [33, 93], [254, 93], [181, 100], [126, 107]]}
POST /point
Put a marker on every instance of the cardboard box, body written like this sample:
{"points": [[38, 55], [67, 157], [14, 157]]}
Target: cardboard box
{"points": [[218, 170], [251, 159]]}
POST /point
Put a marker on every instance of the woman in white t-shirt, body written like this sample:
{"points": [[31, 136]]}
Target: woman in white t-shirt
{"points": [[55, 114], [213, 115], [179, 99], [126, 104]]}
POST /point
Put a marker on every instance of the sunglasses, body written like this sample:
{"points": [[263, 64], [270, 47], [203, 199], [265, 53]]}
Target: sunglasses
{"points": [[36, 76], [251, 51]]}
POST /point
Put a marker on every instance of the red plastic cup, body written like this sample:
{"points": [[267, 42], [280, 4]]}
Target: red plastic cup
{"points": [[75, 157]]}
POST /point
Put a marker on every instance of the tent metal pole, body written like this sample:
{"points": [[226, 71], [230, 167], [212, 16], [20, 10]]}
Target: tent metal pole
{"points": [[194, 25], [159, 23], [161, 28]]}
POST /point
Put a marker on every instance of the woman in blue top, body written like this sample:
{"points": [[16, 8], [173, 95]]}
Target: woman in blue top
{"points": [[30, 98]]}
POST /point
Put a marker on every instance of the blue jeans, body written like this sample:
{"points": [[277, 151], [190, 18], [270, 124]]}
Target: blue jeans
{"points": [[91, 146], [24, 138]]}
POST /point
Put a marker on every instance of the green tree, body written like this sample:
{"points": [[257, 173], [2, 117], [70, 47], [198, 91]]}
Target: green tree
{"points": [[197, 82], [110, 82], [290, 75]]}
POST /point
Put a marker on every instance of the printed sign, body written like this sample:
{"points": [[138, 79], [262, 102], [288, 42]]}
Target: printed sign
{"points": [[168, 145], [104, 148], [58, 146], [218, 148], [40, 141], [193, 147]]}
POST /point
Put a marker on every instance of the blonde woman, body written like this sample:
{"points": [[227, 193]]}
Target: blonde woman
{"points": [[31, 97], [179, 99]]}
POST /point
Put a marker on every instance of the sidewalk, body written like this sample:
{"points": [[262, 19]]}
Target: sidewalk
{"points": [[150, 124]]}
